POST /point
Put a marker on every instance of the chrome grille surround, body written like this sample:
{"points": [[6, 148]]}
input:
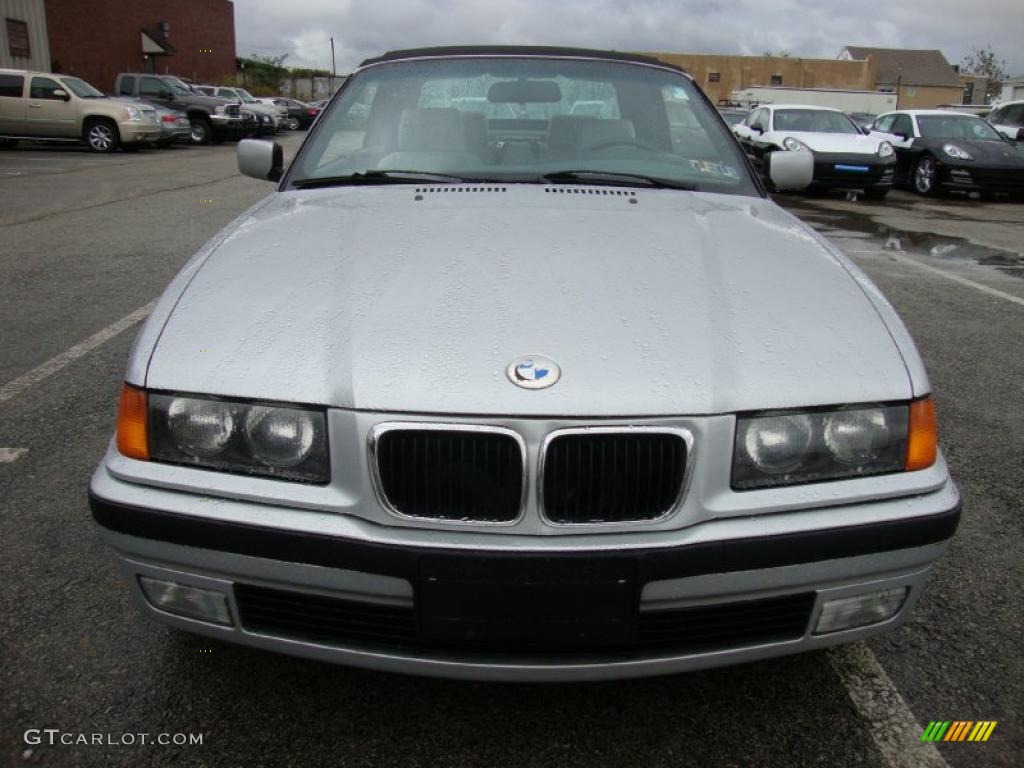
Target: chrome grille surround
{"points": [[684, 434], [379, 430]]}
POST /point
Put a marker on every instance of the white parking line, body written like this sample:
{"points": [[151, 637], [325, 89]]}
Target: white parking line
{"points": [[941, 273], [7, 455], [65, 358], [892, 725]]}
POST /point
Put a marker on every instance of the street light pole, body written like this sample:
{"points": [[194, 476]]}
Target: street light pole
{"points": [[334, 70]]}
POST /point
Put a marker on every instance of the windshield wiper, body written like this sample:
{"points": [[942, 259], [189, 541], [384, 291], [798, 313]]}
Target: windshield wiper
{"points": [[621, 179], [377, 177]]}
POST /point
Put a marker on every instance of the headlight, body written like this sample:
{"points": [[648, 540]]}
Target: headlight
{"points": [[221, 109], [200, 428], [132, 114], [885, 149], [778, 444], [955, 152], [791, 448], [286, 442], [280, 437], [795, 146]]}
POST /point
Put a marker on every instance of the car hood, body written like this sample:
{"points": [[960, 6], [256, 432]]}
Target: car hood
{"points": [[407, 299], [852, 143], [201, 100], [262, 109]]}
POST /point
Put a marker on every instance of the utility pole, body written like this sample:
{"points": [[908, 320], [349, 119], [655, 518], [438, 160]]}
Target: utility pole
{"points": [[334, 70]]}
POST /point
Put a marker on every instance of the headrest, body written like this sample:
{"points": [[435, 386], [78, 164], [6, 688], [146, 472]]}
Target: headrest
{"points": [[431, 130], [598, 132], [564, 130]]}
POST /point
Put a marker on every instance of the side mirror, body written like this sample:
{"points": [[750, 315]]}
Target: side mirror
{"points": [[262, 160], [900, 136], [756, 129], [790, 170], [165, 94], [62, 95]]}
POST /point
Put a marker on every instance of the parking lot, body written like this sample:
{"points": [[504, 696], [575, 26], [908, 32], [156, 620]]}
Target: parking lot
{"points": [[87, 243]]}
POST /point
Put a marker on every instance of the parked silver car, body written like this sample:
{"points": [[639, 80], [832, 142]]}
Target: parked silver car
{"points": [[174, 124], [548, 397]]}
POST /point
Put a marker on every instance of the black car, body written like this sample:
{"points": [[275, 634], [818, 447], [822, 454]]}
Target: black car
{"points": [[943, 150], [300, 114]]}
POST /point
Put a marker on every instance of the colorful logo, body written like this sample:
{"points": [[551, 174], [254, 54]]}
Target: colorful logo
{"points": [[533, 372], [958, 730]]}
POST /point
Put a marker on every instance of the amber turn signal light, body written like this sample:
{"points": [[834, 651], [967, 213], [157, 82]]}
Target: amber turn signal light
{"points": [[922, 435], [132, 440]]}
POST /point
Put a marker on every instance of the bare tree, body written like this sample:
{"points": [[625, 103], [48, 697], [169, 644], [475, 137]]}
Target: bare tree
{"points": [[983, 61]]}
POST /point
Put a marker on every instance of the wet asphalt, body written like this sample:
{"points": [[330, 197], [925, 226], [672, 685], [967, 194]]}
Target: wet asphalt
{"points": [[86, 240]]}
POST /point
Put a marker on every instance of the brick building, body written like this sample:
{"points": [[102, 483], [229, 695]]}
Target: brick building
{"points": [[98, 39]]}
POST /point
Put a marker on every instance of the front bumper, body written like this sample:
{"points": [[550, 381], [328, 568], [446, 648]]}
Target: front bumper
{"points": [[228, 126], [334, 588], [853, 171], [975, 177]]}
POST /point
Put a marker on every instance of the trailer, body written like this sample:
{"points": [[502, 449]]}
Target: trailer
{"points": [[865, 102]]}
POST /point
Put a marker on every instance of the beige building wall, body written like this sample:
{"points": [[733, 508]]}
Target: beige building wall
{"points": [[736, 72], [928, 96]]}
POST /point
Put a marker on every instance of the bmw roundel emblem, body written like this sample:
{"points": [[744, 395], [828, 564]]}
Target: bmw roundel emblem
{"points": [[533, 371]]}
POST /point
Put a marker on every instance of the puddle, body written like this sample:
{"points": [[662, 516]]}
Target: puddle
{"points": [[849, 225]]}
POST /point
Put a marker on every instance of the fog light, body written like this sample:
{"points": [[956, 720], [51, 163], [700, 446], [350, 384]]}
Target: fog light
{"points": [[860, 610], [183, 600]]}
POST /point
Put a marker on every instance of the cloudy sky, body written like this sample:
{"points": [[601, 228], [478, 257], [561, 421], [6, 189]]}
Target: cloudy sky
{"points": [[363, 28]]}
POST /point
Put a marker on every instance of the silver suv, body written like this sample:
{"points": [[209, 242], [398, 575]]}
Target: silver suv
{"points": [[42, 105]]}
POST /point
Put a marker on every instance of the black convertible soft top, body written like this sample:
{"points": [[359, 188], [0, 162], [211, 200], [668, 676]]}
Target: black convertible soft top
{"points": [[516, 50]]}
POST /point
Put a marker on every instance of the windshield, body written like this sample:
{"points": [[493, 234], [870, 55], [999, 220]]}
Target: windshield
{"points": [[81, 88], [956, 127], [813, 121], [520, 119], [245, 96], [176, 85]]}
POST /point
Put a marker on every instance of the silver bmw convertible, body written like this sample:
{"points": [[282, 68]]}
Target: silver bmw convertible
{"points": [[536, 392]]}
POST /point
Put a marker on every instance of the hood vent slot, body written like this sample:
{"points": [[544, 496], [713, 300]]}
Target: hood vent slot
{"points": [[457, 189], [589, 191], [629, 194]]}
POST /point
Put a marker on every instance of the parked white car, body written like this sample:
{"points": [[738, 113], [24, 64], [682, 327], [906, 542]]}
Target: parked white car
{"points": [[844, 158], [1008, 119]]}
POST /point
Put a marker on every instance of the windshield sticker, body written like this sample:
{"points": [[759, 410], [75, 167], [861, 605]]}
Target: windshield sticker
{"points": [[715, 169], [678, 92]]}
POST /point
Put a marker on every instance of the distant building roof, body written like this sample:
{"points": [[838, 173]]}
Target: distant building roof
{"points": [[910, 67]]}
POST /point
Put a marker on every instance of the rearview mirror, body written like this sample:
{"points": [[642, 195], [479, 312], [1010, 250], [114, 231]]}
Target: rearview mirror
{"points": [[524, 92], [261, 159], [790, 170]]}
